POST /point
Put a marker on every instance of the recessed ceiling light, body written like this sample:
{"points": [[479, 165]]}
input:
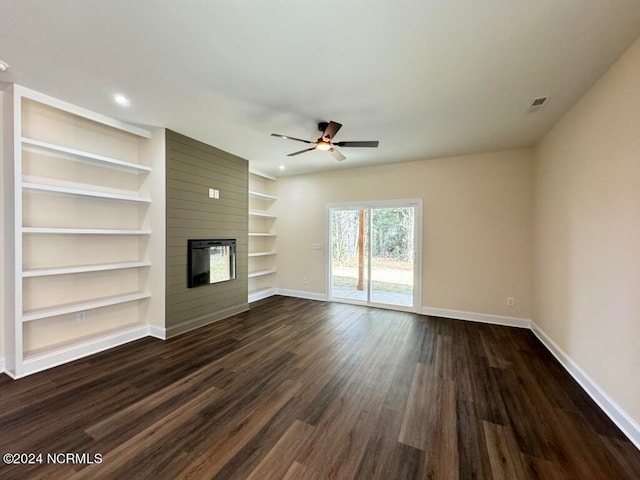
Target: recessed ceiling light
{"points": [[3, 66], [281, 167], [121, 100]]}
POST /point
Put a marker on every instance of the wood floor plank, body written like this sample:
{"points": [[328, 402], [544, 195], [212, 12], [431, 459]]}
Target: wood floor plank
{"points": [[152, 408], [429, 423], [544, 469], [278, 461], [297, 471], [585, 452], [233, 438], [625, 456], [128, 451], [505, 458], [385, 457], [307, 390], [473, 456], [422, 395], [493, 350]]}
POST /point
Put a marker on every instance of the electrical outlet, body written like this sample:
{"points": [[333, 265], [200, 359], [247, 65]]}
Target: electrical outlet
{"points": [[305, 281], [510, 302], [81, 317]]}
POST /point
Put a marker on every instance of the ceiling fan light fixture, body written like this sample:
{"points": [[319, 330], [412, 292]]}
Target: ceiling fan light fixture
{"points": [[324, 143]]}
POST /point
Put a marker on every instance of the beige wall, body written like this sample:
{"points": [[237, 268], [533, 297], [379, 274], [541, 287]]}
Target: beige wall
{"points": [[587, 233], [476, 233]]}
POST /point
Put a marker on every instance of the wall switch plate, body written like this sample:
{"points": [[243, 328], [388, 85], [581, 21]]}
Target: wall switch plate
{"points": [[305, 281], [510, 302]]}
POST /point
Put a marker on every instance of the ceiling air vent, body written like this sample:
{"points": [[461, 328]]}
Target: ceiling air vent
{"points": [[537, 103]]}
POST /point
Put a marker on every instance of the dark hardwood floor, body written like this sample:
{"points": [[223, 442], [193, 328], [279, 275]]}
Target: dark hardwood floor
{"points": [[299, 389]]}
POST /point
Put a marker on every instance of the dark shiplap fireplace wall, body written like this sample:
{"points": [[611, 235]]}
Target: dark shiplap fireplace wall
{"points": [[192, 168]]}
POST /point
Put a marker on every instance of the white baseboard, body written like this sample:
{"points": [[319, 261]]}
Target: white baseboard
{"points": [[68, 354], [157, 332], [204, 320], [624, 422], [261, 294], [477, 317], [300, 294]]}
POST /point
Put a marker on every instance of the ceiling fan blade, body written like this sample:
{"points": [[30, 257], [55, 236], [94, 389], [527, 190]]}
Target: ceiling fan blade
{"points": [[290, 138], [337, 155], [301, 151], [331, 130], [374, 143]]}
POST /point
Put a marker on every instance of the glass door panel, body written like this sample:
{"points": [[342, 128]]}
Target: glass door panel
{"points": [[392, 256], [349, 254]]}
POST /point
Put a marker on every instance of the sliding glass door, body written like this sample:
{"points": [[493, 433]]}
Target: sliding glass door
{"points": [[373, 254]]}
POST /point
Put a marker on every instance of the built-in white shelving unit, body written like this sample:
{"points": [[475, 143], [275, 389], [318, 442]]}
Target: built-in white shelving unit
{"points": [[262, 235], [77, 198]]}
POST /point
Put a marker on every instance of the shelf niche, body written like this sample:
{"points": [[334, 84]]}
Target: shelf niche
{"points": [[262, 235]]}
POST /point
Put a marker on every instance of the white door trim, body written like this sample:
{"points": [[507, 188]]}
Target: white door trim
{"points": [[417, 242]]}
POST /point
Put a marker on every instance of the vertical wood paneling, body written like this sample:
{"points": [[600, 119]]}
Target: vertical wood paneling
{"points": [[192, 168]]}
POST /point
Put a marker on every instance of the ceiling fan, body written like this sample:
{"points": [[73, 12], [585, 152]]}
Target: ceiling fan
{"points": [[325, 143]]}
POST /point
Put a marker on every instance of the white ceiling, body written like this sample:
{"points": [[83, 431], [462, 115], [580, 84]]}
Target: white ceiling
{"points": [[427, 78]]}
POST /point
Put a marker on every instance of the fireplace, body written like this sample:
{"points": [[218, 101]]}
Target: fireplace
{"points": [[210, 261]]}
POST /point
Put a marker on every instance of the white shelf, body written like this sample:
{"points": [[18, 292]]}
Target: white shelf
{"points": [[261, 254], [83, 231], [42, 272], [86, 156], [80, 307], [261, 213], [85, 193], [258, 173], [261, 234], [262, 196], [260, 273]]}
